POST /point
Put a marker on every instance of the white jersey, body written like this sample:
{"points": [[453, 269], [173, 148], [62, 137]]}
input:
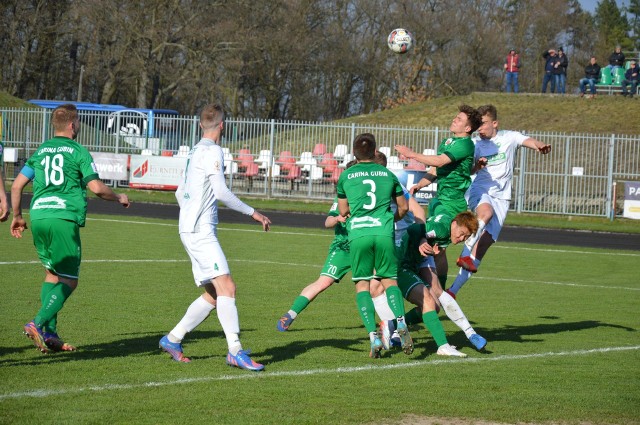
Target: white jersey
{"points": [[202, 187], [500, 151]]}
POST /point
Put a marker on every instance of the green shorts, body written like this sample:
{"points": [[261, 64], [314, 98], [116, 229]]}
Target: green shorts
{"points": [[373, 256], [338, 264], [452, 207], [407, 280], [58, 245]]}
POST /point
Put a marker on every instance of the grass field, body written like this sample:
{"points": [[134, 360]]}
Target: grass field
{"points": [[562, 325]]}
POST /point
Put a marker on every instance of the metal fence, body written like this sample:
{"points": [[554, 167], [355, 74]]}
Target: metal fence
{"points": [[303, 159]]}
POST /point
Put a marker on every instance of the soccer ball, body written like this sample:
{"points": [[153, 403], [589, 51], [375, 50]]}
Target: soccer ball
{"points": [[400, 40]]}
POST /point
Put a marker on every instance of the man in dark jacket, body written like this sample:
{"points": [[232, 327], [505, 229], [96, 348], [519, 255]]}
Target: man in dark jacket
{"points": [[630, 77], [616, 60], [591, 77], [561, 72], [550, 67]]}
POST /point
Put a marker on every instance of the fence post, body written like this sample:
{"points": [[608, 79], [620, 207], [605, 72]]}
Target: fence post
{"points": [[268, 187], [520, 187], [611, 193], [44, 128], [353, 136], [194, 128], [565, 188]]}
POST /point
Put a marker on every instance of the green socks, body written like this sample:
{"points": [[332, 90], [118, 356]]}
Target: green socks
{"points": [[367, 311], [432, 322], [395, 300], [53, 302], [51, 325], [299, 304]]}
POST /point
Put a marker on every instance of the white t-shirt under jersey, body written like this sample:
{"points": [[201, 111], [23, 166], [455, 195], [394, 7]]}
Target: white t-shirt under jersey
{"points": [[500, 151], [202, 186]]}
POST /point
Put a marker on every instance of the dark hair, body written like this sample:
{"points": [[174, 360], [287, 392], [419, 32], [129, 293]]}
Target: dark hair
{"points": [[380, 158], [489, 110], [473, 117], [364, 146]]}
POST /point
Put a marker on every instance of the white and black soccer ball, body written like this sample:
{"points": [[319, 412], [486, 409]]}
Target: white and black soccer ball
{"points": [[400, 41]]}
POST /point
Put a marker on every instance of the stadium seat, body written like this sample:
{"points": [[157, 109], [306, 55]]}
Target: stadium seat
{"points": [[386, 150], [605, 77], [618, 76], [328, 163], [428, 152], [285, 160], [347, 158], [335, 175], [340, 151], [230, 167], [306, 161], [393, 163], [146, 152], [319, 149], [264, 158], [167, 153], [183, 151]]}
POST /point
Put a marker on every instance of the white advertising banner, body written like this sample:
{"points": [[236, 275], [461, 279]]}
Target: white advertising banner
{"points": [[409, 178], [631, 200], [111, 166], [156, 172]]}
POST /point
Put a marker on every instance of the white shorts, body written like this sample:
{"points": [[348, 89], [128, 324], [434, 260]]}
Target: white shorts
{"points": [[500, 209], [207, 259]]}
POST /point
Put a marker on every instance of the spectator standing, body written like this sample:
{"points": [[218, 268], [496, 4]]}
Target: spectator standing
{"points": [[616, 60], [550, 65], [561, 72], [591, 77], [630, 77], [512, 68]]}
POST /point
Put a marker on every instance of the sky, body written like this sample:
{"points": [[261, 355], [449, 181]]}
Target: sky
{"points": [[590, 5]]}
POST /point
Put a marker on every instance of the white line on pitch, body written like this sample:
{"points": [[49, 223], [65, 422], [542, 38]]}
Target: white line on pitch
{"points": [[330, 234], [318, 266], [342, 370]]}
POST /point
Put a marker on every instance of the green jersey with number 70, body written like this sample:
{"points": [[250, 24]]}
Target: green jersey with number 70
{"points": [[60, 169], [369, 188]]}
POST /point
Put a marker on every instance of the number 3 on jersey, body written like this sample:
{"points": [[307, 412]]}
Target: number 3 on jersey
{"points": [[53, 172], [371, 194]]}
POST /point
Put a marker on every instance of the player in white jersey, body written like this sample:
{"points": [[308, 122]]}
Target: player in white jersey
{"points": [[490, 192], [198, 195]]}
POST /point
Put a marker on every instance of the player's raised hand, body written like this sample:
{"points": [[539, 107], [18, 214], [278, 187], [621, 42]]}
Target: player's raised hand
{"points": [[262, 219], [18, 225], [403, 150]]}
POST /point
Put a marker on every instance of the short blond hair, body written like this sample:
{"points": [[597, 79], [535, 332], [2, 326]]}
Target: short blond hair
{"points": [[63, 115], [467, 219], [211, 116]]}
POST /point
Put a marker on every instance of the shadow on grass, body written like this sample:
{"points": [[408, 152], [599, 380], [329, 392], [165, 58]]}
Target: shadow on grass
{"points": [[526, 334], [131, 344]]}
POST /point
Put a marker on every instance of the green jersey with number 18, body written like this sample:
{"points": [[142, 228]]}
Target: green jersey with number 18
{"points": [[369, 189], [61, 169]]}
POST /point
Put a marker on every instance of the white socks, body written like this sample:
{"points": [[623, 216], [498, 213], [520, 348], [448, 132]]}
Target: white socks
{"points": [[454, 312], [382, 307], [197, 312], [228, 317]]}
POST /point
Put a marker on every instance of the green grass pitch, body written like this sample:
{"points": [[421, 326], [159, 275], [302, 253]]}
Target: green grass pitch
{"points": [[562, 325]]}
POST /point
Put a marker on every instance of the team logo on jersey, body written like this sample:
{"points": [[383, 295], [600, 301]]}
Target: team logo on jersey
{"points": [[142, 169], [216, 165], [448, 141], [50, 202]]}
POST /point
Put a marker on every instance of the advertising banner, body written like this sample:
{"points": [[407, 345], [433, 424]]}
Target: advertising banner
{"points": [[631, 200], [409, 178], [111, 166], [156, 172]]}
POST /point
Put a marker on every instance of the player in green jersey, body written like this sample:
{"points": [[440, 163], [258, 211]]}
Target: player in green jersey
{"points": [[410, 253], [365, 192], [453, 162], [440, 231], [61, 169], [4, 205]]}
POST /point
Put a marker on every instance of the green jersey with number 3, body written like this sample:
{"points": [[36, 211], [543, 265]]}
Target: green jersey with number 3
{"points": [[369, 188], [62, 168]]}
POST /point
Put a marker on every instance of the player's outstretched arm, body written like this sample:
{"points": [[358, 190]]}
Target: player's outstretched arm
{"points": [[537, 145], [429, 160], [104, 192], [333, 220]]}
